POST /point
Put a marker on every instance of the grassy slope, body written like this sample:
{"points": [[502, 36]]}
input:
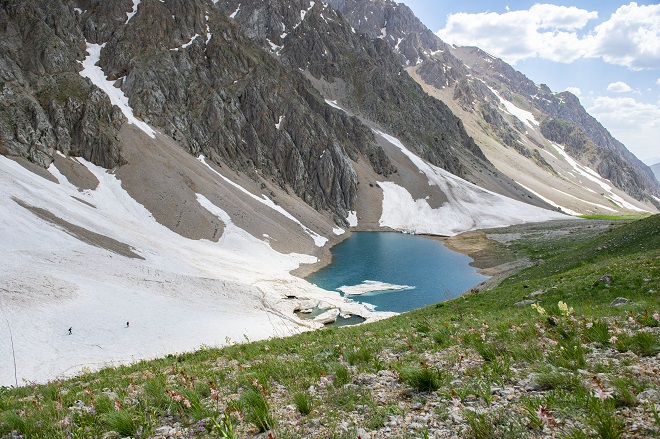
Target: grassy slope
{"points": [[463, 364]]}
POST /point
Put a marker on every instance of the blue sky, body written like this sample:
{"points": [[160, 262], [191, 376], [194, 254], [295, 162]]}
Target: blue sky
{"points": [[606, 52]]}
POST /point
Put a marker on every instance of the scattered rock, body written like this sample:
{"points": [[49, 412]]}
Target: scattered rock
{"points": [[537, 293], [110, 435], [650, 395], [164, 430], [362, 433], [620, 301], [606, 279], [530, 384], [525, 302]]}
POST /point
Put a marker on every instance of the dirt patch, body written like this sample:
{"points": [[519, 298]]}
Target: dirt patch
{"points": [[32, 167], [77, 174], [156, 176], [486, 252], [81, 233]]}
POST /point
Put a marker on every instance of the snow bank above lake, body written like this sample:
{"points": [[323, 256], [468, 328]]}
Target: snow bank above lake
{"points": [[468, 206], [177, 294]]}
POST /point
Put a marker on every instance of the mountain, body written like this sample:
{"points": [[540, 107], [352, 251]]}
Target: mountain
{"points": [[518, 124], [171, 163], [656, 170]]}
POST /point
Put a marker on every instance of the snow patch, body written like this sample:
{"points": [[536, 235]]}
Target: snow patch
{"points": [[274, 47], [522, 115], [92, 71], [233, 14], [352, 218], [338, 231], [593, 176], [319, 240], [183, 294], [183, 46], [333, 104], [279, 123], [130, 15], [383, 32], [468, 206], [549, 201], [303, 12], [370, 286]]}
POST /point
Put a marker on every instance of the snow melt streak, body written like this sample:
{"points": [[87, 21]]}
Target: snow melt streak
{"points": [[117, 97], [468, 207]]}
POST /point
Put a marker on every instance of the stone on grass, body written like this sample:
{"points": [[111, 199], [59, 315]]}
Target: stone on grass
{"points": [[620, 301]]}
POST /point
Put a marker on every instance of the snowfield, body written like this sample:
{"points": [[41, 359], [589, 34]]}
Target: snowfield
{"points": [[468, 207], [177, 294], [98, 262]]}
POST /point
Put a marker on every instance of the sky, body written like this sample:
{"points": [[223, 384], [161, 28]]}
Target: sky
{"points": [[605, 52]]}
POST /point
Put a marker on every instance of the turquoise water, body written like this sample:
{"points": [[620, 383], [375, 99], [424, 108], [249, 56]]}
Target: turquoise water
{"points": [[434, 272]]}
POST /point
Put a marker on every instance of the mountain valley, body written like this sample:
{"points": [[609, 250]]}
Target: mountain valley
{"points": [[171, 163]]}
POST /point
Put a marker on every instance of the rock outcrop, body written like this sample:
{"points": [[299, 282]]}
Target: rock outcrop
{"points": [[367, 75], [188, 72], [45, 105]]}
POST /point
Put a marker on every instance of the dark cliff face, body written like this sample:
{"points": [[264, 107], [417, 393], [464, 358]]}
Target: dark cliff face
{"points": [[320, 41], [395, 24], [564, 121], [224, 97], [45, 105], [188, 72]]}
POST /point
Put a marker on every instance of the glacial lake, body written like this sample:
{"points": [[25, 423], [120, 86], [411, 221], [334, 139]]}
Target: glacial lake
{"points": [[429, 271]]}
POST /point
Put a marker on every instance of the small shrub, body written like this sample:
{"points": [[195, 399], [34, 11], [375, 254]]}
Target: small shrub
{"points": [[11, 421], [357, 355], [644, 344], [480, 427], [346, 398], [121, 421], [528, 353], [568, 354], [444, 337], [648, 319], [424, 378], [606, 423], [340, 374], [598, 332], [224, 426], [376, 418], [303, 402], [256, 410], [554, 379], [154, 389], [104, 404], [623, 396]]}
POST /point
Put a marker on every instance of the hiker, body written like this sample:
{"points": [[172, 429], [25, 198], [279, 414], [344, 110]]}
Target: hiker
{"points": [[70, 330]]}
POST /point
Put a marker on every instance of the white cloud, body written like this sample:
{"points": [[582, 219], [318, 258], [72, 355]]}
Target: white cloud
{"points": [[575, 90], [544, 31], [658, 81], [630, 37], [619, 87], [635, 124]]}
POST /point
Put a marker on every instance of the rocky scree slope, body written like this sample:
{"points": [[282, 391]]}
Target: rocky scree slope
{"points": [[443, 66], [366, 77], [45, 105], [188, 72], [565, 121], [562, 120]]}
